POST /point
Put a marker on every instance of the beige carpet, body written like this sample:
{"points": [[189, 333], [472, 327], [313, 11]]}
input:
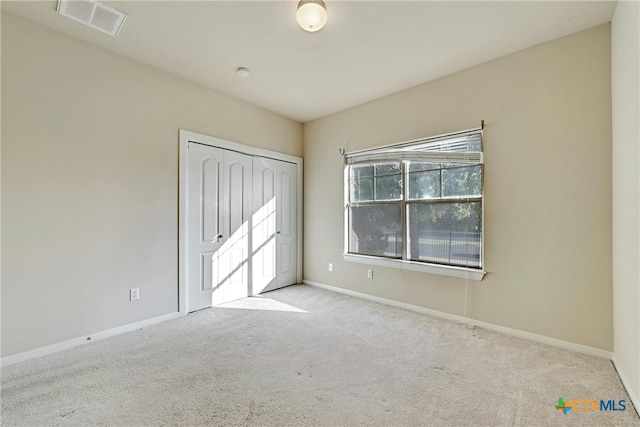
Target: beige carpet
{"points": [[303, 356]]}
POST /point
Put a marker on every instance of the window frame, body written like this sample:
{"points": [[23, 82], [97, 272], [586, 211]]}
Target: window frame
{"points": [[405, 263]]}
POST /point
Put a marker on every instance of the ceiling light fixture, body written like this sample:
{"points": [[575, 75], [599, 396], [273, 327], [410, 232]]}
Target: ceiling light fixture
{"points": [[311, 15]]}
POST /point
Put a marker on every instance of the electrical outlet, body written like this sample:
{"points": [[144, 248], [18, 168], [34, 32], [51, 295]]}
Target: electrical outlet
{"points": [[369, 274], [330, 266], [134, 294]]}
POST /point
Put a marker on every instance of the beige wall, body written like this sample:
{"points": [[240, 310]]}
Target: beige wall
{"points": [[90, 182], [547, 188], [625, 61]]}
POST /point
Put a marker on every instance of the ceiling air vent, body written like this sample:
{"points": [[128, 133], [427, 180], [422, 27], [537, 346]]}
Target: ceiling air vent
{"points": [[95, 14]]}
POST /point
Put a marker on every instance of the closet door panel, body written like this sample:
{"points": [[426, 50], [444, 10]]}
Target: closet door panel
{"points": [[264, 226], [205, 179], [286, 227], [233, 257], [275, 218]]}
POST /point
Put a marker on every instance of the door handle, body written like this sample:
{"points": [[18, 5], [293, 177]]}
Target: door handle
{"points": [[277, 232]]}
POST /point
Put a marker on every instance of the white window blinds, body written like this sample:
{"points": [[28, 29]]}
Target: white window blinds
{"points": [[459, 147]]}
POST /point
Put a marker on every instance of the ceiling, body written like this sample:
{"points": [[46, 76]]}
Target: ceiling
{"points": [[367, 50]]}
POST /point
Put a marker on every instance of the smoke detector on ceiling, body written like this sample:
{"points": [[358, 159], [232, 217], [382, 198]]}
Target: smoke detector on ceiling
{"points": [[95, 14]]}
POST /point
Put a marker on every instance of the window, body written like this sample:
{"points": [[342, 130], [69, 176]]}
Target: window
{"points": [[418, 202]]}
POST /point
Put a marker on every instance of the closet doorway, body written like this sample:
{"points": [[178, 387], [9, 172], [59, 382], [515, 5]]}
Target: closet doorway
{"points": [[240, 221]]}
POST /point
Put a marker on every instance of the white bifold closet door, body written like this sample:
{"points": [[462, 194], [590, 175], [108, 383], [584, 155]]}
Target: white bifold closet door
{"points": [[241, 231], [275, 224]]}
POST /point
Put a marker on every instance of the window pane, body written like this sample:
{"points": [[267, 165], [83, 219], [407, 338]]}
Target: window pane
{"points": [[446, 233], [424, 180], [462, 181], [388, 182], [388, 169], [376, 230], [361, 185]]}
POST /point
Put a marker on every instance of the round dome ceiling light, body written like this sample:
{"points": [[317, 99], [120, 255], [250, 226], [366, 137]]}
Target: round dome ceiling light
{"points": [[243, 72], [311, 15]]}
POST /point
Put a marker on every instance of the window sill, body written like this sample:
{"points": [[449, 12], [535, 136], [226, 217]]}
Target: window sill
{"points": [[444, 270]]}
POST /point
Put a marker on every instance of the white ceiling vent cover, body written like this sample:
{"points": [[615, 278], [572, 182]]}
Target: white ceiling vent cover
{"points": [[95, 14]]}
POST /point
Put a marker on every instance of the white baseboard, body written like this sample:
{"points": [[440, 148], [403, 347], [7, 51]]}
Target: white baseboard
{"points": [[64, 345], [627, 385], [591, 351]]}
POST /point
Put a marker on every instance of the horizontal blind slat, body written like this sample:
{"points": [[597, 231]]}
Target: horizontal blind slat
{"points": [[420, 156]]}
